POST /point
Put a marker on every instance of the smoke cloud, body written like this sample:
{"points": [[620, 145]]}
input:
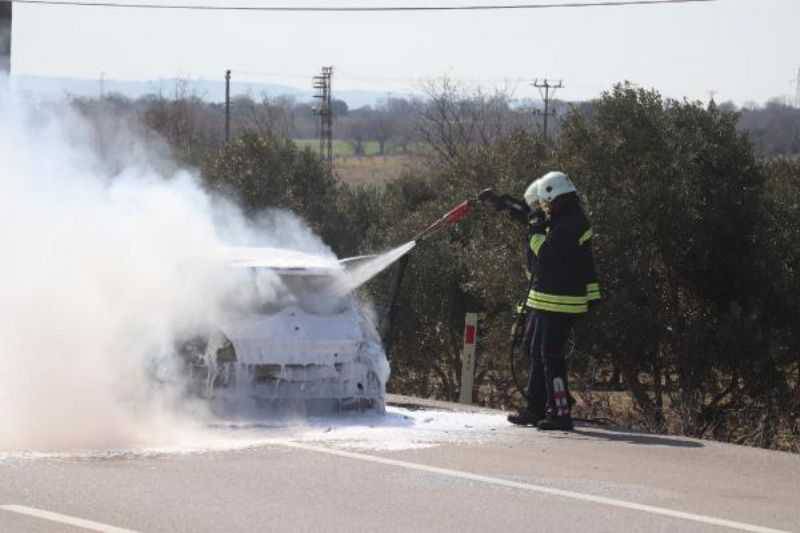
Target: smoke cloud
{"points": [[100, 273]]}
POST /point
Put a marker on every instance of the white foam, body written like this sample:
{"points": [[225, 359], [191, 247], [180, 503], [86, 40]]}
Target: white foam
{"points": [[403, 429], [400, 429], [369, 269]]}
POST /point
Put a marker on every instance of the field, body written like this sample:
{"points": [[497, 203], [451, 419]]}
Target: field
{"points": [[340, 148], [371, 168], [374, 170]]}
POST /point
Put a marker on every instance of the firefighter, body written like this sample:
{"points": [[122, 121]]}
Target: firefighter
{"points": [[565, 284], [529, 213]]}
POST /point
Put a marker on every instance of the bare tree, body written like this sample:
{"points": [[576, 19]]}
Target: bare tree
{"points": [[270, 116], [452, 122], [405, 130], [383, 127], [178, 121], [357, 134]]}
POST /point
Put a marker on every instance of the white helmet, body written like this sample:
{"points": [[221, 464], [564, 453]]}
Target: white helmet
{"points": [[552, 185], [532, 194]]}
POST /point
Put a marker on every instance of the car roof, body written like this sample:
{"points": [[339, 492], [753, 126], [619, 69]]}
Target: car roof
{"points": [[283, 260]]}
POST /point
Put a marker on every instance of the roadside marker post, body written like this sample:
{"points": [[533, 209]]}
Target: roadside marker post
{"points": [[468, 357]]}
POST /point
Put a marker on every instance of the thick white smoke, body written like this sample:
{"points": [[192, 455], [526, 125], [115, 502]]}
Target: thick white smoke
{"points": [[99, 275]]}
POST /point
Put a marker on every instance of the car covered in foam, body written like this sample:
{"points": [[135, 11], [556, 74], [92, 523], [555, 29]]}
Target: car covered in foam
{"points": [[296, 337]]}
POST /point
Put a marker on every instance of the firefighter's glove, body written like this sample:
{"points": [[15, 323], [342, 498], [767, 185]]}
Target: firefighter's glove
{"points": [[539, 226], [538, 217], [488, 196]]}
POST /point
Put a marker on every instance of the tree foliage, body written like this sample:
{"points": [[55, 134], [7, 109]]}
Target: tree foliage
{"points": [[694, 248], [271, 172], [684, 222]]}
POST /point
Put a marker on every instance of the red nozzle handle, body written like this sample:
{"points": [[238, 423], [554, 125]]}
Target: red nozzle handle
{"points": [[454, 215], [459, 212]]}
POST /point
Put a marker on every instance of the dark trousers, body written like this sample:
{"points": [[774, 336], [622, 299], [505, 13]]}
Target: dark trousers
{"points": [[546, 336]]}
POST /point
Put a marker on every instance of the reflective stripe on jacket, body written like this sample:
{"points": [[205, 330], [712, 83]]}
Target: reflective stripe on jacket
{"points": [[566, 281], [592, 285]]}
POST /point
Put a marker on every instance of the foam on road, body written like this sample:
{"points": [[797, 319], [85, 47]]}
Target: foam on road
{"points": [[400, 429]]}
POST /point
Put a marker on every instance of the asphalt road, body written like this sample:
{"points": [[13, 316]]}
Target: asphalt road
{"points": [[508, 478]]}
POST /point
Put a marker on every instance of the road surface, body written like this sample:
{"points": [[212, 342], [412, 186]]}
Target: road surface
{"points": [[420, 470]]}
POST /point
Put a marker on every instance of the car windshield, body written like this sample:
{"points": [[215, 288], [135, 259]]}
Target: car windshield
{"points": [[269, 290]]}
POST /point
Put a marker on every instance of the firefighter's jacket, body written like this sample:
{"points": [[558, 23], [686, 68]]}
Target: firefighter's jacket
{"points": [[566, 280]]}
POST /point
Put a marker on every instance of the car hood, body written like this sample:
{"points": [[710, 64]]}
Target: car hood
{"points": [[293, 336]]}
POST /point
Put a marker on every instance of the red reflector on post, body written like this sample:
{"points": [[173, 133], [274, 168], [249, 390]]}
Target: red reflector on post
{"points": [[469, 335]]}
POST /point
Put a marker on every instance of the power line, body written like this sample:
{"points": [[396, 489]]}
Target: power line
{"points": [[346, 75], [345, 9]]}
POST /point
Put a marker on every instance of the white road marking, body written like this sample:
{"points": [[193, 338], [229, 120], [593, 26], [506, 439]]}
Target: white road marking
{"points": [[710, 520], [63, 519]]}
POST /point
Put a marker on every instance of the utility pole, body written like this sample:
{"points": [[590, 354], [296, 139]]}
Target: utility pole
{"points": [[323, 85], [5, 37], [227, 106], [796, 81], [546, 85]]}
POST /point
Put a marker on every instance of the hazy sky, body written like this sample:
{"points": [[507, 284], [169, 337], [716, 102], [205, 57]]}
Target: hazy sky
{"points": [[745, 50]]}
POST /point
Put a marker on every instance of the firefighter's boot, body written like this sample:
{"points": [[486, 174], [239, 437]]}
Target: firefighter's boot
{"points": [[550, 423], [559, 415], [526, 417]]}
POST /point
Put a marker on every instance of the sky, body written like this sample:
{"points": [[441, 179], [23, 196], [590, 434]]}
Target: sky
{"points": [[742, 50]]}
